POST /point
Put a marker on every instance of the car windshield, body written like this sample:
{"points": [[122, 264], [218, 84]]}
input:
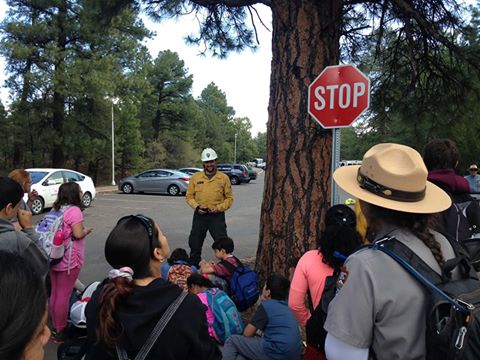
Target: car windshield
{"points": [[37, 176]]}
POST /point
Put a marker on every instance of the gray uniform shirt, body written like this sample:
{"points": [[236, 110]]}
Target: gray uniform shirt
{"points": [[381, 305]]}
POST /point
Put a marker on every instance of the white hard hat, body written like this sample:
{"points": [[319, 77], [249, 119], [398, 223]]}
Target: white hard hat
{"points": [[208, 154]]}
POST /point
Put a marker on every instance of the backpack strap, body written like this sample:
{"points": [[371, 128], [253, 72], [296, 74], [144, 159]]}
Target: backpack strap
{"points": [[310, 302], [472, 212], [230, 266], [336, 272], [461, 258], [209, 295], [180, 262], [156, 332], [411, 258], [431, 287]]}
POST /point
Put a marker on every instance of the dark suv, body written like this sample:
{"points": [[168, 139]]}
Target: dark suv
{"points": [[236, 172]]}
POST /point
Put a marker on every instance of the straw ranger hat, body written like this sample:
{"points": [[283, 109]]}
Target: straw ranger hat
{"points": [[393, 176], [473, 167]]}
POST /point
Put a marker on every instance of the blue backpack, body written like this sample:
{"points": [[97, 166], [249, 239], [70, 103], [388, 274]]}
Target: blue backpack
{"points": [[228, 320], [244, 289]]}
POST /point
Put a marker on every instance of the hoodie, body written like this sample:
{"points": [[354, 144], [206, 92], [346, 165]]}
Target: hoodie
{"points": [[449, 181], [23, 243], [185, 337]]}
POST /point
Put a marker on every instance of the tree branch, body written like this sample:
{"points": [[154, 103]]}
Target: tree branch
{"points": [[231, 3], [427, 26]]}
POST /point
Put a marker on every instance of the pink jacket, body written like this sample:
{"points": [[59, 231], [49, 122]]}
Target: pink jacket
{"points": [[310, 273], [73, 215]]}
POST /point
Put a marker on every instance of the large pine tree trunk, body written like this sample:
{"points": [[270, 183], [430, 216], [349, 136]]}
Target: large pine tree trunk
{"points": [[297, 182], [58, 116], [58, 154]]}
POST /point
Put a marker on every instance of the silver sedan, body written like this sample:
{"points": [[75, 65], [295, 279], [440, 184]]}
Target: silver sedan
{"points": [[163, 181]]}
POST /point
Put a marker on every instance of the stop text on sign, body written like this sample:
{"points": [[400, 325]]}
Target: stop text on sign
{"points": [[338, 96], [344, 95]]}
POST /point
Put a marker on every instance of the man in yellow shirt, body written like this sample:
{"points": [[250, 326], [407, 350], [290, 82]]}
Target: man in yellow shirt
{"points": [[210, 194]]}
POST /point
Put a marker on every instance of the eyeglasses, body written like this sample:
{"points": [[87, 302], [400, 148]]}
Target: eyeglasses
{"points": [[145, 222]]}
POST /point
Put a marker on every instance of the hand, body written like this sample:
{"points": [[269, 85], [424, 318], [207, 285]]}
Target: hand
{"points": [[202, 210], [17, 226], [202, 262], [87, 231], [32, 195], [213, 210], [25, 219]]}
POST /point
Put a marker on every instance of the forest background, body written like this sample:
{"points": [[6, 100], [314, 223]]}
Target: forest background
{"points": [[65, 78]]}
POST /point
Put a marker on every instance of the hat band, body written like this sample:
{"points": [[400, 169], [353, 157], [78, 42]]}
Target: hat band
{"points": [[388, 193]]}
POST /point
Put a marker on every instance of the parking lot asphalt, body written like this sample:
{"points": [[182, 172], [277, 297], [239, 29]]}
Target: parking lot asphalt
{"points": [[175, 218]]}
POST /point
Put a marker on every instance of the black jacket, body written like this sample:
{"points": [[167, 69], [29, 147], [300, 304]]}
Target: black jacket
{"points": [[185, 337]]}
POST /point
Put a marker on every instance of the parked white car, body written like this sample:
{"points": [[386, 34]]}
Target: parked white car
{"points": [[47, 181]]}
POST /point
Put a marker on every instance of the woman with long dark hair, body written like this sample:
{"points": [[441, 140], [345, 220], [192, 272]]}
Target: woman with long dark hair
{"points": [[381, 308], [135, 300], [64, 274], [336, 242], [23, 309]]}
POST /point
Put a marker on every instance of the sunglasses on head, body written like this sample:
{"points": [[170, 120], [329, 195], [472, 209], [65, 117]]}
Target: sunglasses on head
{"points": [[146, 222]]}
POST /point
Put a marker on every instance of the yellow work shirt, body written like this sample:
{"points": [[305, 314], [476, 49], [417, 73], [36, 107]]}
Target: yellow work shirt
{"points": [[206, 192]]}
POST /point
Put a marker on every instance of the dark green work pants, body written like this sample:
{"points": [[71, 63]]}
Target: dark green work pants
{"points": [[214, 223]]}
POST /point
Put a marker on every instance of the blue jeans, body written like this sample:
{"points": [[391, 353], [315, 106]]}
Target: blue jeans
{"points": [[239, 347]]}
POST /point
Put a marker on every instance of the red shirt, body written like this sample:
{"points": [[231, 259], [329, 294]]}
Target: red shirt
{"points": [[223, 271]]}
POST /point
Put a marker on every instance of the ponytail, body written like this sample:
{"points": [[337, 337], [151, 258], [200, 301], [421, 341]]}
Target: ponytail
{"points": [[420, 229], [418, 224], [109, 330]]}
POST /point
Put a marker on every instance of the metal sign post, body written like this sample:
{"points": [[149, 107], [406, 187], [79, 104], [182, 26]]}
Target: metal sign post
{"points": [[335, 162]]}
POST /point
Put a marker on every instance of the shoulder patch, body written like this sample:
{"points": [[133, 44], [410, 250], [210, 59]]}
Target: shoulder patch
{"points": [[342, 278]]}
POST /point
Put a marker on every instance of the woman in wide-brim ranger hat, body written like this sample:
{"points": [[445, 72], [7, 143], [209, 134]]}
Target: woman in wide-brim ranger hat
{"points": [[381, 307]]}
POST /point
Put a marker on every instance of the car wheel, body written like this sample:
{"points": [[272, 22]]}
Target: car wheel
{"points": [[87, 199], [234, 180], [173, 190], [37, 206], [127, 188]]}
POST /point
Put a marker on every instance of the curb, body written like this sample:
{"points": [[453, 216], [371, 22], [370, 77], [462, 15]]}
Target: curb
{"points": [[107, 190]]}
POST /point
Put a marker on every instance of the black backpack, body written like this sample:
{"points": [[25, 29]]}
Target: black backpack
{"points": [[72, 349], [315, 332], [453, 312], [461, 221]]}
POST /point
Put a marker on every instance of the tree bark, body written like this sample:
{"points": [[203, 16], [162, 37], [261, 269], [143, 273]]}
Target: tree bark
{"points": [[298, 175], [156, 120], [58, 154], [58, 113]]}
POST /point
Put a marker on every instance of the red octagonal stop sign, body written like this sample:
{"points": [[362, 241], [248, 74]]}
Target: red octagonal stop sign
{"points": [[338, 96]]}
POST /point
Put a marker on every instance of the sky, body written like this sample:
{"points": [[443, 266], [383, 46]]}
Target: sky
{"points": [[243, 77]]}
